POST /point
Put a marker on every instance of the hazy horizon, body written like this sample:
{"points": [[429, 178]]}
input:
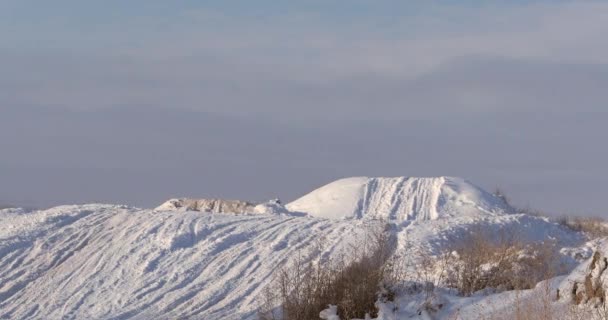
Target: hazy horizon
{"points": [[137, 102]]}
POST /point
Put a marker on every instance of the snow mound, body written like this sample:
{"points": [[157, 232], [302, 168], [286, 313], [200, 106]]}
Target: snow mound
{"points": [[398, 199], [207, 205]]}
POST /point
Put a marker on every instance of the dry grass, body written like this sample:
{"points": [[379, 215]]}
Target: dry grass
{"points": [[592, 227], [353, 284], [482, 262], [586, 300]]}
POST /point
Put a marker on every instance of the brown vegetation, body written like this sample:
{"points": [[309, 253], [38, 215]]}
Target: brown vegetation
{"points": [[481, 261], [592, 227], [503, 263], [353, 284]]}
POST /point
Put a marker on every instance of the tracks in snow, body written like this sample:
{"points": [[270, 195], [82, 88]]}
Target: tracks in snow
{"points": [[120, 263]]}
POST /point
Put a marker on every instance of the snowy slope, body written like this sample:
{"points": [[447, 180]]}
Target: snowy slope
{"points": [[398, 199], [117, 262], [543, 299], [100, 261]]}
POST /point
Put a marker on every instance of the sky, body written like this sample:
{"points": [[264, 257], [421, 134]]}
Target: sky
{"points": [[134, 102]]}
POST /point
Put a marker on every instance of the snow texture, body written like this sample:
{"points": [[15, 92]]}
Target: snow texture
{"points": [[398, 199], [103, 261], [116, 262]]}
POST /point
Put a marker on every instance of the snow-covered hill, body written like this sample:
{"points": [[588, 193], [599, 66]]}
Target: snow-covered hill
{"points": [[102, 261], [117, 262], [398, 199]]}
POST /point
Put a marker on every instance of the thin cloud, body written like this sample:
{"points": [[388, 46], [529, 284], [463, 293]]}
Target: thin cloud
{"points": [[509, 95]]}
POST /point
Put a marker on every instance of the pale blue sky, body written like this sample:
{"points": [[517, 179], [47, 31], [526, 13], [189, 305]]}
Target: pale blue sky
{"points": [[138, 101]]}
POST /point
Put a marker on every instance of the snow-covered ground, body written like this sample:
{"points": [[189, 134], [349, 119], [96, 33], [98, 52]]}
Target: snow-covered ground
{"points": [[116, 262]]}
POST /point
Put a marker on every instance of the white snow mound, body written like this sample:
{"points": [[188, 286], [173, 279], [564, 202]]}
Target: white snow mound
{"points": [[398, 199]]}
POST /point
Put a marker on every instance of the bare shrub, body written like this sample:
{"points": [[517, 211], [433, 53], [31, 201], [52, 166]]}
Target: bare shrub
{"points": [[431, 271], [592, 227], [499, 193], [268, 309], [352, 282], [533, 212], [499, 263]]}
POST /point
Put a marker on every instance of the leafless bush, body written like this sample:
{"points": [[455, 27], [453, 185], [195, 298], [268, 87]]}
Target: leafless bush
{"points": [[499, 263], [431, 271], [592, 227], [534, 212], [499, 192], [352, 282], [586, 298], [527, 209]]}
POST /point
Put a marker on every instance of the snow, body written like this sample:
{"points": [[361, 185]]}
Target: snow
{"points": [[109, 261], [336, 200], [398, 199], [103, 261], [331, 313]]}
